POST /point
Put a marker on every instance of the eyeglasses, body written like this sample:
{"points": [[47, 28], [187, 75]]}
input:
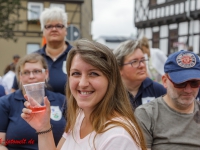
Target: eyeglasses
{"points": [[57, 26], [34, 72], [136, 63], [193, 83]]}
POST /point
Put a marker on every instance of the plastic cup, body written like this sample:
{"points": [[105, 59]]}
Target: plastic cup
{"points": [[35, 93]]}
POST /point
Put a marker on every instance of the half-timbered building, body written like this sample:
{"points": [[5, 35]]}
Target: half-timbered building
{"points": [[170, 25]]}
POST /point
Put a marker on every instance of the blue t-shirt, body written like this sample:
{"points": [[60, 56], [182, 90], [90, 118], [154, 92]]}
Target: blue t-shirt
{"points": [[18, 130], [57, 71], [148, 91]]}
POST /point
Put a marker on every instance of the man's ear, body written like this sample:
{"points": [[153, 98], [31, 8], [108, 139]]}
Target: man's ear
{"points": [[164, 80]]}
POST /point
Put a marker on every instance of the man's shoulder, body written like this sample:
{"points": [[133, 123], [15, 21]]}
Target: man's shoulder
{"points": [[150, 106]]}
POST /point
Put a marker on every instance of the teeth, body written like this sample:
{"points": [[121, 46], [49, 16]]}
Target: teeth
{"points": [[85, 93]]}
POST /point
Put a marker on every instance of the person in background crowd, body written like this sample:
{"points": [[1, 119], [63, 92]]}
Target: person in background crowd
{"points": [[31, 68], [99, 114], [8, 79], [156, 62], [132, 65], [53, 24], [15, 60], [173, 121]]}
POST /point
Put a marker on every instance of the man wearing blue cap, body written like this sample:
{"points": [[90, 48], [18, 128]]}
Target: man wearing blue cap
{"points": [[172, 121]]}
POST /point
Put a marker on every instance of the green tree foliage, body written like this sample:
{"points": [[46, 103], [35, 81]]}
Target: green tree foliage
{"points": [[9, 15]]}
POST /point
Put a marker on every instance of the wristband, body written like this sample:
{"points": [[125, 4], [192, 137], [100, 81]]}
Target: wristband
{"points": [[46, 131]]}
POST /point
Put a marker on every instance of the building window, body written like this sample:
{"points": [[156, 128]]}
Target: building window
{"points": [[156, 39], [173, 40], [153, 2], [62, 6], [34, 10], [32, 47]]}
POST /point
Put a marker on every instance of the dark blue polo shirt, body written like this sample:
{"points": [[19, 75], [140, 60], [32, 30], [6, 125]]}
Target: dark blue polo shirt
{"points": [[57, 70], [2, 91], [148, 91], [18, 130]]}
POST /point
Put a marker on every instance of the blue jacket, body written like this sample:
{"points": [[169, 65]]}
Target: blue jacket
{"points": [[148, 91]]}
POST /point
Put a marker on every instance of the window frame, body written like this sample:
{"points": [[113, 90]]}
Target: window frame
{"points": [[29, 52], [29, 10]]}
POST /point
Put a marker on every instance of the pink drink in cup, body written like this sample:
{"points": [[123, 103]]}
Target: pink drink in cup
{"points": [[35, 93]]}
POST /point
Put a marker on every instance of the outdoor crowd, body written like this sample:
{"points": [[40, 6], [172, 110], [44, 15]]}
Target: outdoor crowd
{"points": [[129, 98]]}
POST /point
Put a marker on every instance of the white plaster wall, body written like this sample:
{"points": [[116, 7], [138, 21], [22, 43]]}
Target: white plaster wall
{"points": [[164, 45], [182, 40], [150, 43], [148, 33], [192, 5], [181, 7], [155, 29], [173, 26], [141, 33], [177, 9], [194, 26], [195, 43], [158, 13], [154, 14], [162, 14], [183, 28], [141, 14], [160, 1], [171, 10], [150, 14], [198, 4], [167, 11], [164, 31]]}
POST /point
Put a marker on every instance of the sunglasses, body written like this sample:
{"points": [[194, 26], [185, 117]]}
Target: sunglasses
{"points": [[192, 83]]}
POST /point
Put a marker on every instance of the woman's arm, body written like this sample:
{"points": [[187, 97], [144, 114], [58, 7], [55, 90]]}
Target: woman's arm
{"points": [[46, 139], [41, 123], [60, 144], [2, 141]]}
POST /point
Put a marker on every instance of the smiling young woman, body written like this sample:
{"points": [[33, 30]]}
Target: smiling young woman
{"points": [[99, 114]]}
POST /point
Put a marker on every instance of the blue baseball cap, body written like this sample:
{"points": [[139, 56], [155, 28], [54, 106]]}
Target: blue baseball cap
{"points": [[182, 66]]}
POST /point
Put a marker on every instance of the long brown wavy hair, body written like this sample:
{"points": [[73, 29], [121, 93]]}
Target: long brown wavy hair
{"points": [[115, 103]]}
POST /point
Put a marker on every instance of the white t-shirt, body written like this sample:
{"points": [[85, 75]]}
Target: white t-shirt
{"points": [[116, 138], [7, 81]]}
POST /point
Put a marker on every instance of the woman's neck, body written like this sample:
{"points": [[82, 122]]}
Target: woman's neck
{"points": [[55, 51], [133, 87], [86, 126]]}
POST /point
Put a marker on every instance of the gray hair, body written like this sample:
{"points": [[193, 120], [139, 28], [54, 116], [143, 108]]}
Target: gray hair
{"points": [[53, 14], [124, 49]]}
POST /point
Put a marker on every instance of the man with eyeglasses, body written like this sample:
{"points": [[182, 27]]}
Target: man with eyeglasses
{"points": [[173, 121]]}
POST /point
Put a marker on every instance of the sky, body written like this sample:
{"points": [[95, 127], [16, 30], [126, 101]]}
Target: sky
{"points": [[113, 18]]}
